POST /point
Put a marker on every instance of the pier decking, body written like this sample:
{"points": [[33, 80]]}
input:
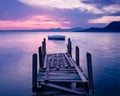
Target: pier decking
{"points": [[60, 75]]}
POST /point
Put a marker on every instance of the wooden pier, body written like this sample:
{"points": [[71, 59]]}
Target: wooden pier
{"points": [[59, 74]]}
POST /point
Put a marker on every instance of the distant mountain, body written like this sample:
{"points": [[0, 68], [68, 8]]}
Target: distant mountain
{"points": [[112, 27], [46, 30], [59, 29]]}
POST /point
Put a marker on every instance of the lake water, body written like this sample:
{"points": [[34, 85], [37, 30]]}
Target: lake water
{"points": [[16, 51]]}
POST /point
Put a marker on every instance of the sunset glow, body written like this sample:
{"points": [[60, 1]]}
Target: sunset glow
{"points": [[39, 14], [32, 23]]}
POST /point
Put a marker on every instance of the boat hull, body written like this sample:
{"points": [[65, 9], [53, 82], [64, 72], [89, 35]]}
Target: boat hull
{"points": [[56, 37]]}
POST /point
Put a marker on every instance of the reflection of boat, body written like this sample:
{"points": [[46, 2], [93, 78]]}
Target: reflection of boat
{"points": [[56, 37]]}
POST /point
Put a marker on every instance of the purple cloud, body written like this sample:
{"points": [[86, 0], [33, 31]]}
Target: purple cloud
{"points": [[14, 10]]}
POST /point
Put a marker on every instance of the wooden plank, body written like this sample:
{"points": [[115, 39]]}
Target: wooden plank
{"points": [[60, 80], [47, 74], [57, 60], [73, 85], [64, 60], [63, 88], [52, 61], [65, 69], [45, 62], [78, 70], [47, 71], [69, 60], [56, 75], [67, 80]]}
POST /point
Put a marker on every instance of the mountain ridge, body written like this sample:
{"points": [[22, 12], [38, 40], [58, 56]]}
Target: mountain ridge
{"points": [[111, 27], [45, 30]]}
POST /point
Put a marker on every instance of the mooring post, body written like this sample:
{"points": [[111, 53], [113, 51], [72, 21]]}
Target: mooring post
{"points": [[90, 74], [40, 57], [77, 55], [34, 72], [43, 49], [43, 52], [69, 47], [44, 46]]}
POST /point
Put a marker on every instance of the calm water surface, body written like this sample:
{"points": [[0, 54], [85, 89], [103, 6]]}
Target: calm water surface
{"points": [[16, 50]]}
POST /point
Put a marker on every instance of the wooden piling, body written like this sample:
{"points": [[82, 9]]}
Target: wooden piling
{"points": [[69, 47], [40, 57], [77, 60], [90, 74], [77, 55], [44, 46], [34, 72], [43, 50]]}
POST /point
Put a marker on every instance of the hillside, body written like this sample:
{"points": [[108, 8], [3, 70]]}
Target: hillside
{"points": [[45, 30], [112, 27]]}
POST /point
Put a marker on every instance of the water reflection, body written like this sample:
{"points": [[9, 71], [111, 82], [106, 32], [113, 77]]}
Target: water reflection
{"points": [[60, 46], [15, 59]]}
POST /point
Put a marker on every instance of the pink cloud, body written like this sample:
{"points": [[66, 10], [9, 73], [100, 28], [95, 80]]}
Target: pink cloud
{"points": [[34, 22]]}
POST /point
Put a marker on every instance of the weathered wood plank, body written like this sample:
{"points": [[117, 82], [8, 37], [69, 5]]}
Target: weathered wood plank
{"points": [[64, 61], [45, 62], [61, 80], [47, 74], [68, 60], [52, 61], [47, 69], [57, 62], [78, 70], [63, 88]]}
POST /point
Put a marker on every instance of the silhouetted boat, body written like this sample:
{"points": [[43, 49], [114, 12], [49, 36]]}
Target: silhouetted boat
{"points": [[56, 37]]}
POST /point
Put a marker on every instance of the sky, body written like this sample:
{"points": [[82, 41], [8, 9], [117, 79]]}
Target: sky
{"points": [[44, 14]]}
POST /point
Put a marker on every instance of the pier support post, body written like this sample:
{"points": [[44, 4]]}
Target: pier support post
{"points": [[44, 46], [90, 74], [40, 57], [43, 50], [69, 47], [77, 55], [34, 72]]}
